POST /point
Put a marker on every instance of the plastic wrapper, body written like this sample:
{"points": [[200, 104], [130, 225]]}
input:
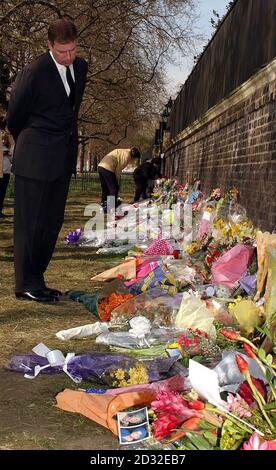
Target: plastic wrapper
{"points": [[127, 270], [205, 224], [93, 301], [270, 294], [176, 383], [124, 339], [249, 283], [115, 250], [232, 212], [103, 368], [194, 342], [159, 247], [156, 278], [82, 331], [232, 266], [183, 273], [236, 214], [247, 315], [101, 238], [155, 304], [102, 408], [220, 312], [193, 314], [90, 301], [26, 363], [228, 371]]}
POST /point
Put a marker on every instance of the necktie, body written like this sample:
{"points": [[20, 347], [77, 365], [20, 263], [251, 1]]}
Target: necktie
{"points": [[71, 84]]}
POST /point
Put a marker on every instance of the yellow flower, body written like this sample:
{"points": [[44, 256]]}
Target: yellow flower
{"points": [[235, 229], [175, 346], [120, 374], [232, 305], [138, 374], [193, 247]]}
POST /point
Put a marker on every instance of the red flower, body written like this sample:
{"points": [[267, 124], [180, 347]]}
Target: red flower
{"points": [[196, 405], [245, 391], [172, 403], [164, 424], [229, 334], [249, 351], [242, 364], [175, 254]]}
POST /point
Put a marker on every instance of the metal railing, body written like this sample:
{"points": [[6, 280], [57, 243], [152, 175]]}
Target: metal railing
{"points": [[84, 182]]}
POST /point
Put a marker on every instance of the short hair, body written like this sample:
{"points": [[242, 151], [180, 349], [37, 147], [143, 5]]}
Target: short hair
{"points": [[135, 152], [156, 160], [62, 31]]}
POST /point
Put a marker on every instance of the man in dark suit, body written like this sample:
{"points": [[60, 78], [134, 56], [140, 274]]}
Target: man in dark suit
{"points": [[42, 117]]}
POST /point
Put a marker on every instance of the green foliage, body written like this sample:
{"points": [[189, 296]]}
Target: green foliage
{"points": [[231, 436]]}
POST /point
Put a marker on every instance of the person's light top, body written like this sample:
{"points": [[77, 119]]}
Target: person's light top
{"points": [[116, 161]]}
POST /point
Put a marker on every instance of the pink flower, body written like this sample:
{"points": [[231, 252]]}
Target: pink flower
{"points": [[171, 402], [255, 443], [238, 405], [165, 424], [271, 445]]}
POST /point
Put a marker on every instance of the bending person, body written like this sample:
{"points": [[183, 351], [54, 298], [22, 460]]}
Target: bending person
{"points": [[110, 169], [144, 176]]}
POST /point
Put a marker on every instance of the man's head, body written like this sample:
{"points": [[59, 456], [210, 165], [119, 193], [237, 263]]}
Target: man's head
{"points": [[135, 153], [62, 41]]}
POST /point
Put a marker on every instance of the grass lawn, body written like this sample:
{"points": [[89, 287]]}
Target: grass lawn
{"points": [[29, 419]]}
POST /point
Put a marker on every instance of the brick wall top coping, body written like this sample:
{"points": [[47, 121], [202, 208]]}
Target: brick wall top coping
{"points": [[257, 81]]}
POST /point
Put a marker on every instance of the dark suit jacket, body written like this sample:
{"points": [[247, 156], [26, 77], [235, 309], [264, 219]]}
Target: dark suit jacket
{"points": [[42, 121]]}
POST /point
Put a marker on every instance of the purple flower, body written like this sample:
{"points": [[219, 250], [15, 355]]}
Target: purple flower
{"points": [[73, 237]]}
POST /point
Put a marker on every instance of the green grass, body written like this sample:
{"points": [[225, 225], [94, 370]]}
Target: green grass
{"points": [[29, 419], [88, 182]]}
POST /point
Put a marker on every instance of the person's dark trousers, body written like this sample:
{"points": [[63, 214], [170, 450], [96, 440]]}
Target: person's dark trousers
{"points": [[38, 216], [109, 184], [140, 188], [3, 188]]}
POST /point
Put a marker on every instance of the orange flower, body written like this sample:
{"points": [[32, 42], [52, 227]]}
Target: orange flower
{"points": [[242, 364], [249, 351], [108, 304], [229, 334]]}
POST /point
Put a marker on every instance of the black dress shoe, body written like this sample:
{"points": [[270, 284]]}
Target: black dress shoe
{"points": [[52, 292], [36, 295]]}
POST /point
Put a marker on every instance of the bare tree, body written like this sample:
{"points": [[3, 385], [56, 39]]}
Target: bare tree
{"points": [[126, 42]]}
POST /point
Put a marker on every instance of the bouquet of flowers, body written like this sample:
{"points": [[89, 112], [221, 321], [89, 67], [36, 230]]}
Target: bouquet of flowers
{"points": [[196, 344], [73, 237], [247, 421]]}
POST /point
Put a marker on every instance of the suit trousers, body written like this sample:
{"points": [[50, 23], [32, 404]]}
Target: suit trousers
{"points": [[38, 217], [3, 188]]}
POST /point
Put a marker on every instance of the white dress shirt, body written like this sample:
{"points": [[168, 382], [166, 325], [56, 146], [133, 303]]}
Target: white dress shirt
{"points": [[62, 72]]}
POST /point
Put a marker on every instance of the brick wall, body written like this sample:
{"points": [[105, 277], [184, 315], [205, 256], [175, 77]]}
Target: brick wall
{"points": [[234, 144]]}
